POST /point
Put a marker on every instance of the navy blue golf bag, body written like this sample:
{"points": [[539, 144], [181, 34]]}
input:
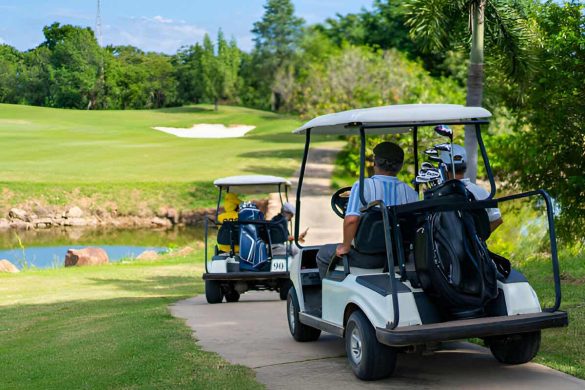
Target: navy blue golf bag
{"points": [[253, 250]]}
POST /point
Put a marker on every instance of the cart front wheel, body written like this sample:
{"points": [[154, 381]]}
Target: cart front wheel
{"points": [[213, 291], [516, 348], [369, 360]]}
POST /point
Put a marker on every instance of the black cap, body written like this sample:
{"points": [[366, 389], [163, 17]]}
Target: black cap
{"points": [[389, 151]]}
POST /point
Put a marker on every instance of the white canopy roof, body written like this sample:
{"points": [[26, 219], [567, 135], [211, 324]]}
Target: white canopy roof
{"points": [[259, 183], [348, 122]]}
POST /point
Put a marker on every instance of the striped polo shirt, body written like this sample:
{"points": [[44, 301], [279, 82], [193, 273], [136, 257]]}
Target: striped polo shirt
{"points": [[380, 187]]}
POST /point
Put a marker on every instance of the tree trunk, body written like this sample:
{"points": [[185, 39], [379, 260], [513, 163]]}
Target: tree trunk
{"points": [[474, 83]]}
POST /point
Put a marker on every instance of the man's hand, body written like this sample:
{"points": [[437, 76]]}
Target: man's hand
{"points": [[342, 250]]}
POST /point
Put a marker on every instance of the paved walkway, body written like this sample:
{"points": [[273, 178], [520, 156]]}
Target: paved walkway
{"points": [[254, 332]]}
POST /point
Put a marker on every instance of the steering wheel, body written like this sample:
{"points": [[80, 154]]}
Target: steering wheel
{"points": [[339, 201]]}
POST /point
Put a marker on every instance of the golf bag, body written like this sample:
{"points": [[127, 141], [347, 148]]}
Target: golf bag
{"points": [[452, 261], [253, 251]]}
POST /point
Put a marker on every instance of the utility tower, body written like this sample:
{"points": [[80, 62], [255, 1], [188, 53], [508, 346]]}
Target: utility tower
{"points": [[98, 23]]}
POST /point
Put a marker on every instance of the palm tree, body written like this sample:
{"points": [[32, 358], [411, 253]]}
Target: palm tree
{"points": [[500, 24]]}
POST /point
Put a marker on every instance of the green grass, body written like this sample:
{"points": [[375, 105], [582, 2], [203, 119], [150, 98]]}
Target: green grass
{"points": [[106, 327], [115, 160]]}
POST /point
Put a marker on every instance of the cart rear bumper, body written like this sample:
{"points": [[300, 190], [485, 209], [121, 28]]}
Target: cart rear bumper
{"points": [[246, 276], [476, 327]]}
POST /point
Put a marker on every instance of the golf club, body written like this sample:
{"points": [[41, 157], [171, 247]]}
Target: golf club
{"points": [[445, 131]]}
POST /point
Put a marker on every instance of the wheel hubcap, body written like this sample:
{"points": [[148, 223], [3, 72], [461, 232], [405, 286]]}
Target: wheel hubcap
{"points": [[291, 316], [356, 346]]}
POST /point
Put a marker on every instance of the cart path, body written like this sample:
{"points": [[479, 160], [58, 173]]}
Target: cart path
{"points": [[254, 332]]}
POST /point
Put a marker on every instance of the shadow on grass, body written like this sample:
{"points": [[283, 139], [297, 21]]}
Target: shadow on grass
{"points": [[278, 153], [184, 110], [160, 285]]}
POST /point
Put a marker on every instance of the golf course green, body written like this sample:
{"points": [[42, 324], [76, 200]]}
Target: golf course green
{"points": [[57, 156]]}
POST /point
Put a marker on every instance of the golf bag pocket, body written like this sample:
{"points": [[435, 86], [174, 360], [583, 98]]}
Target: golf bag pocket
{"points": [[253, 251]]}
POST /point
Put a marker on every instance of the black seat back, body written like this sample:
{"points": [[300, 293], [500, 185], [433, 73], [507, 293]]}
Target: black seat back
{"points": [[278, 228], [369, 238], [226, 230]]}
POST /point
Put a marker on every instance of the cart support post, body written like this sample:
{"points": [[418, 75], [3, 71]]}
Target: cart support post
{"points": [[415, 151], [486, 161], [362, 164], [390, 260], [300, 186]]}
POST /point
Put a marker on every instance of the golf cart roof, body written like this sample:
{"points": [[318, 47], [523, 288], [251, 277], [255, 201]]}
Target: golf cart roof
{"points": [[258, 183], [399, 118]]}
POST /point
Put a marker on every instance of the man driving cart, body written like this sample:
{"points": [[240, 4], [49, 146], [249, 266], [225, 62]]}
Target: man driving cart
{"points": [[383, 185]]}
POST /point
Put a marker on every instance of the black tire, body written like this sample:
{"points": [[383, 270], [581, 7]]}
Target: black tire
{"points": [[369, 360], [283, 287], [213, 291], [232, 296], [299, 331], [515, 349]]}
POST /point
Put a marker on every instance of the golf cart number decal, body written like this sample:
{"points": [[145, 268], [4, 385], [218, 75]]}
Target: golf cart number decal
{"points": [[278, 265]]}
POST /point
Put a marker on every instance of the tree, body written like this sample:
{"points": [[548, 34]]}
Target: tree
{"points": [[76, 60], [547, 150], [276, 37], [10, 65], [441, 24]]}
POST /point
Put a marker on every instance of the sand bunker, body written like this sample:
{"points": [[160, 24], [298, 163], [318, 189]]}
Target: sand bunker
{"points": [[204, 130]]}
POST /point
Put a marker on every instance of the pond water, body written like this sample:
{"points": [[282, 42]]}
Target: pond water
{"points": [[47, 248]]}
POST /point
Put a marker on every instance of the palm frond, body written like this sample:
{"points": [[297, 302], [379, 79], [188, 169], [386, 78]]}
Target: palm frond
{"points": [[511, 36], [431, 21]]}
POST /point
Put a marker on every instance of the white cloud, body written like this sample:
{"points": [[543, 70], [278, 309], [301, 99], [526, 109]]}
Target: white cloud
{"points": [[154, 33], [2, 41]]}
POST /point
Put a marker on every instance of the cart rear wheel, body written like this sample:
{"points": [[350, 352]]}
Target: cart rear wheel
{"points": [[299, 331], [369, 360], [283, 287], [515, 349], [232, 296], [213, 291]]}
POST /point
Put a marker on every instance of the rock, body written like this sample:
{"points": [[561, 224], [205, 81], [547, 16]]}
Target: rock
{"points": [[4, 224], [41, 211], [184, 251], [86, 256], [20, 225], [75, 222], [7, 266], [43, 223], [74, 212], [173, 215], [16, 213], [147, 255], [160, 222]]}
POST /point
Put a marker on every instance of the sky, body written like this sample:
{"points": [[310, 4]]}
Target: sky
{"points": [[153, 25]]}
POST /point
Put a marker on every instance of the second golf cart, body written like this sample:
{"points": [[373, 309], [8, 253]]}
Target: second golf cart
{"points": [[251, 253], [432, 284]]}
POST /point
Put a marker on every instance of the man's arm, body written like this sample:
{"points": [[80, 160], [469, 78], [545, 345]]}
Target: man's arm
{"points": [[494, 224], [350, 226]]}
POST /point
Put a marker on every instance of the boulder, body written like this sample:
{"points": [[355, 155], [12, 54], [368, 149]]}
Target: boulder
{"points": [[86, 256], [75, 222], [41, 212], [74, 212], [160, 222], [20, 225], [43, 223], [4, 223], [16, 213], [7, 266], [147, 255]]}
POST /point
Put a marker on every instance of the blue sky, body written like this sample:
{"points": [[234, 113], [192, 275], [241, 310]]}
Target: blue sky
{"points": [[153, 25]]}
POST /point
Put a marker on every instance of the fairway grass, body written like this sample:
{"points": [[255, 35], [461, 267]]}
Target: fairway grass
{"points": [[106, 327], [114, 160]]}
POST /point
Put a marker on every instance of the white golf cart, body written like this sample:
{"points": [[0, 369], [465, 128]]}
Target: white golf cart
{"points": [[251, 253], [398, 306]]}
